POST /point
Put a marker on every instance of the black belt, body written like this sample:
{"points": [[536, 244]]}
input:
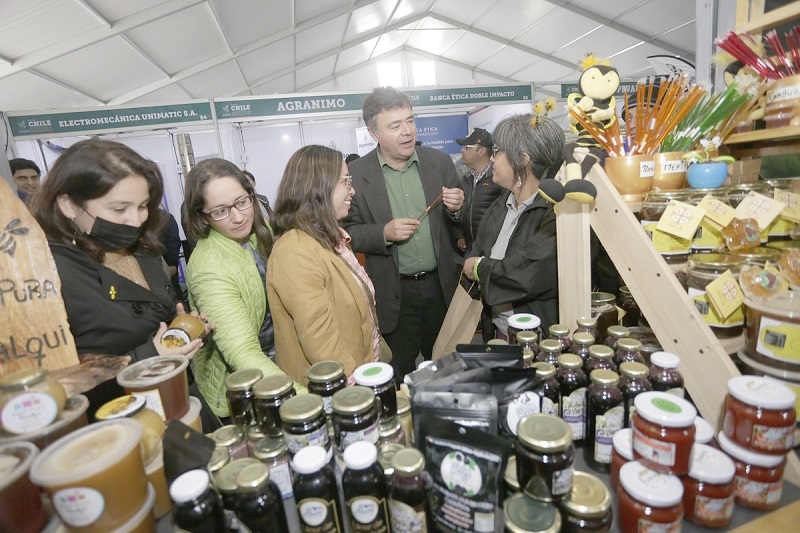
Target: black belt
{"points": [[417, 275]]}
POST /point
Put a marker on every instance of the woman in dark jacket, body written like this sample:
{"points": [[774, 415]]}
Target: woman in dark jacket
{"points": [[514, 256]]}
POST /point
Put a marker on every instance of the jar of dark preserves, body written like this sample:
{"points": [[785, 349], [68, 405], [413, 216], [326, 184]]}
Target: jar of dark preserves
{"points": [[526, 515], [549, 350], [632, 381], [547, 389], [588, 508], [272, 452], [604, 309], [587, 324], [303, 423], [219, 458], [628, 351], [269, 394], [385, 454], [233, 438], [560, 332], [664, 375], [527, 339], [197, 508], [253, 434], [391, 431], [380, 378], [315, 492], [355, 417], [600, 356], [545, 457], [523, 322], [404, 415], [604, 416], [239, 393], [225, 482], [615, 333], [703, 269], [581, 341], [259, 505], [365, 489], [408, 492], [325, 378], [572, 383], [628, 304]]}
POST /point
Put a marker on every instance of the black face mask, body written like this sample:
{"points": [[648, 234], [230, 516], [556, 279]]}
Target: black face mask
{"points": [[113, 236]]}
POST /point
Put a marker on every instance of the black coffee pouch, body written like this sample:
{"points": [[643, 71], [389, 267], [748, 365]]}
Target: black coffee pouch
{"points": [[184, 449], [477, 411], [474, 388], [491, 355], [516, 396], [451, 363]]}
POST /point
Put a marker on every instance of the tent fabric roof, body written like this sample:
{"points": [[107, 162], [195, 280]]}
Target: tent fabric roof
{"points": [[83, 53]]}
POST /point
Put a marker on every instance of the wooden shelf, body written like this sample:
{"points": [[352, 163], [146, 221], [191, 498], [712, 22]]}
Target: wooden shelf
{"points": [[774, 134], [770, 19]]}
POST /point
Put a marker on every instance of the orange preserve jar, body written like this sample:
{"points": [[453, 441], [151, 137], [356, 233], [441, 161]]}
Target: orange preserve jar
{"points": [[759, 415], [759, 477], [621, 453], [708, 489], [648, 500], [663, 432]]}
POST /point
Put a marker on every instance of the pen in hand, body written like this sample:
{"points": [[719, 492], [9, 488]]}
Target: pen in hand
{"points": [[433, 203]]}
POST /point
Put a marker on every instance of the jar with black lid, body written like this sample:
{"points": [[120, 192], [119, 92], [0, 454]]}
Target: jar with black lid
{"points": [[391, 431], [380, 378], [549, 350], [315, 492], [239, 393], [303, 423], [355, 417], [270, 393], [664, 374], [628, 351], [581, 341], [560, 332], [632, 382], [523, 322], [547, 389], [572, 383], [526, 515], [272, 452], [197, 508], [527, 339], [408, 486], [587, 324], [365, 489], [615, 333], [605, 414], [326, 378], [604, 309], [259, 506], [545, 457], [673, 249], [588, 509], [628, 304], [703, 269], [600, 356]]}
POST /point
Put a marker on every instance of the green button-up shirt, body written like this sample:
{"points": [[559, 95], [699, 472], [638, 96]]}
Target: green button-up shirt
{"points": [[407, 199]]}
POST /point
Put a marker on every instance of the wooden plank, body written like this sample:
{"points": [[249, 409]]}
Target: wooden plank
{"points": [[771, 134], [784, 518], [574, 267], [680, 329], [770, 19]]}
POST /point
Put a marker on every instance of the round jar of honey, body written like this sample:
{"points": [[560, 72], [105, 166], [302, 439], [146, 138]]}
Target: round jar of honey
{"points": [[759, 477], [132, 406], [708, 489], [663, 432], [30, 400], [163, 381], [545, 457], [648, 500], [759, 415]]}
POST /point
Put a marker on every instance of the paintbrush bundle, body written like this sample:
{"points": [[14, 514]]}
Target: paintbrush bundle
{"points": [[782, 62]]}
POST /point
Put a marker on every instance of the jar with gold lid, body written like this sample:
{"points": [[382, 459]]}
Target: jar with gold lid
{"points": [[269, 393], [632, 382], [587, 324], [234, 439], [702, 270], [385, 454], [547, 389], [673, 249], [135, 407], [615, 333], [30, 400], [325, 378], [526, 515], [260, 507], [572, 382], [355, 417], [272, 452], [225, 482], [604, 309], [408, 489], [560, 332], [600, 356], [628, 351], [545, 457], [632, 313], [588, 509], [404, 415], [303, 423], [581, 342], [549, 350], [604, 416], [219, 458], [239, 393], [527, 339]]}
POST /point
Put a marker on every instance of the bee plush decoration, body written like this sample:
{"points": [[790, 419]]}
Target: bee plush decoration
{"points": [[597, 85]]}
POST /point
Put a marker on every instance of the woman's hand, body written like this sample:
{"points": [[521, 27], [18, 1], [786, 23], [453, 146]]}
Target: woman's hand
{"points": [[469, 267], [210, 326], [188, 350]]}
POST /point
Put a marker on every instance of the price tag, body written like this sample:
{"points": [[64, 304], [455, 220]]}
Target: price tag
{"points": [[791, 201], [647, 169], [677, 166], [716, 211], [759, 207], [680, 219], [724, 294]]}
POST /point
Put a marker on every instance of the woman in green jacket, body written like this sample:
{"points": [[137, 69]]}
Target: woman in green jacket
{"points": [[226, 276]]}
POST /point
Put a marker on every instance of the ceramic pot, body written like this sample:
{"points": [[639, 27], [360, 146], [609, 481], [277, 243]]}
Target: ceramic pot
{"points": [[707, 175], [669, 171], [631, 175]]}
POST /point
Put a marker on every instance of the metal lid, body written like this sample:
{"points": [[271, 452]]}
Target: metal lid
{"points": [[526, 515], [711, 261], [121, 407], [544, 370], [544, 433], [604, 377], [403, 404], [527, 336], [558, 330], [352, 400], [510, 474], [633, 370], [252, 477], [219, 458], [254, 432], [325, 371], [301, 408], [550, 346], [272, 386], [389, 426], [408, 462], [589, 497], [601, 351], [269, 448], [523, 321], [624, 290], [23, 378], [225, 479], [587, 322], [386, 453], [227, 435], [310, 459], [602, 297], [570, 360], [629, 345], [582, 338], [243, 379], [665, 196]]}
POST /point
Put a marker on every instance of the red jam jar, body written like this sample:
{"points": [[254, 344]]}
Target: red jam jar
{"points": [[759, 415], [663, 432], [759, 477], [708, 489], [621, 453], [648, 500]]}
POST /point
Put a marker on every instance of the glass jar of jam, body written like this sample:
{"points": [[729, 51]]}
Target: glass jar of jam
{"points": [[708, 489], [704, 433], [523, 322], [663, 432], [588, 509], [303, 423], [380, 378], [600, 356], [549, 350], [604, 309], [390, 430], [572, 383], [604, 417], [621, 453], [272, 452], [703, 269], [239, 392], [581, 341], [526, 515], [30, 400], [587, 324], [269, 394], [615, 333], [632, 381], [404, 415], [547, 389], [315, 491], [632, 313], [253, 434], [664, 375], [233, 438], [219, 458], [385, 454], [527, 339], [408, 499], [707, 237], [225, 482], [545, 457], [197, 506], [560, 332], [259, 506], [759, 415], [325, 378], [758, 483], [355, 417], [365, 489], [628, 351], [673, 249], [648, 500]]}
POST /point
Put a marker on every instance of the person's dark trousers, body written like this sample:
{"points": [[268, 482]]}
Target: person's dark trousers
{"points": [[422, 311]]}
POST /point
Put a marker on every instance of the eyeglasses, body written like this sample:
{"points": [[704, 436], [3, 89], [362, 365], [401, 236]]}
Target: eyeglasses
{"points": [[221, 213], [495, 150], [348, 180], [475, 146]]}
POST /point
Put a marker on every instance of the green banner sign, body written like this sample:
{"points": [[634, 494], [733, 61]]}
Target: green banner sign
{"points": [[624, 87], [108, 119], [470, 95]]}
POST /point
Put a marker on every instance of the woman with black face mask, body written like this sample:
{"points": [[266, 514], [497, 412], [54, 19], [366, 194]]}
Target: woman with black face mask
{"points": [[99, 210]]}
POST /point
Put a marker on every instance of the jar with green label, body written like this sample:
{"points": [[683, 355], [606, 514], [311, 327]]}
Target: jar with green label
{"points": [[663, 432], [703, 269]]}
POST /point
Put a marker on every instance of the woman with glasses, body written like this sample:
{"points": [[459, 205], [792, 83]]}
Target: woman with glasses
{"points": [[514, 256], [226, 276], [322, 300]]}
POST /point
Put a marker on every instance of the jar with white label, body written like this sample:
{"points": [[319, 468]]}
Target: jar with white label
{"points": [[702, 270], [272, 452], [759, 414], [572, 383], [355, 417], [365, 489], [759, 477], [708, 489], [30, 400], [648, 500], [303, 423], [663, 432], [315, 491], [604, 417], [664, 375], [545, 457]]}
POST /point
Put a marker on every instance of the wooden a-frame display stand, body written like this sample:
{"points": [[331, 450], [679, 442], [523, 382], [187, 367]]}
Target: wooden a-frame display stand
{"points": [[705, 364]]}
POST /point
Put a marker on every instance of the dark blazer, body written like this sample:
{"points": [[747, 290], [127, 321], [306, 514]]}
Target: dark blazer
{"points": [[370, 211], [477, 199]]}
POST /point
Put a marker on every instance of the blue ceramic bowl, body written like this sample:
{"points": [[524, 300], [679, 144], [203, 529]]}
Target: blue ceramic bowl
{"points": [[707, 175]]}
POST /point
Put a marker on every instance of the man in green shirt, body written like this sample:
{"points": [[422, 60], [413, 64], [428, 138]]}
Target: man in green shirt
{"points": [[409, 253]]}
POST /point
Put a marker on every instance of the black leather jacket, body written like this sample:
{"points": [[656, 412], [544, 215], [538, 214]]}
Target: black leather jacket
{"points": [[477, 200]]}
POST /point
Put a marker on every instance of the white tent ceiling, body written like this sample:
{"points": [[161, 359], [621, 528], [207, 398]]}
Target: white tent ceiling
{"points": [[81, 53]]}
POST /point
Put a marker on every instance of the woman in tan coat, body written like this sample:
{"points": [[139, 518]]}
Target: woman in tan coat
{"points": [[322, 300]]}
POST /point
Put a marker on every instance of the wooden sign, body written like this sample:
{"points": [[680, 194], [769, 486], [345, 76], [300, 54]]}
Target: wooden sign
{"points": [[34, 331]]}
